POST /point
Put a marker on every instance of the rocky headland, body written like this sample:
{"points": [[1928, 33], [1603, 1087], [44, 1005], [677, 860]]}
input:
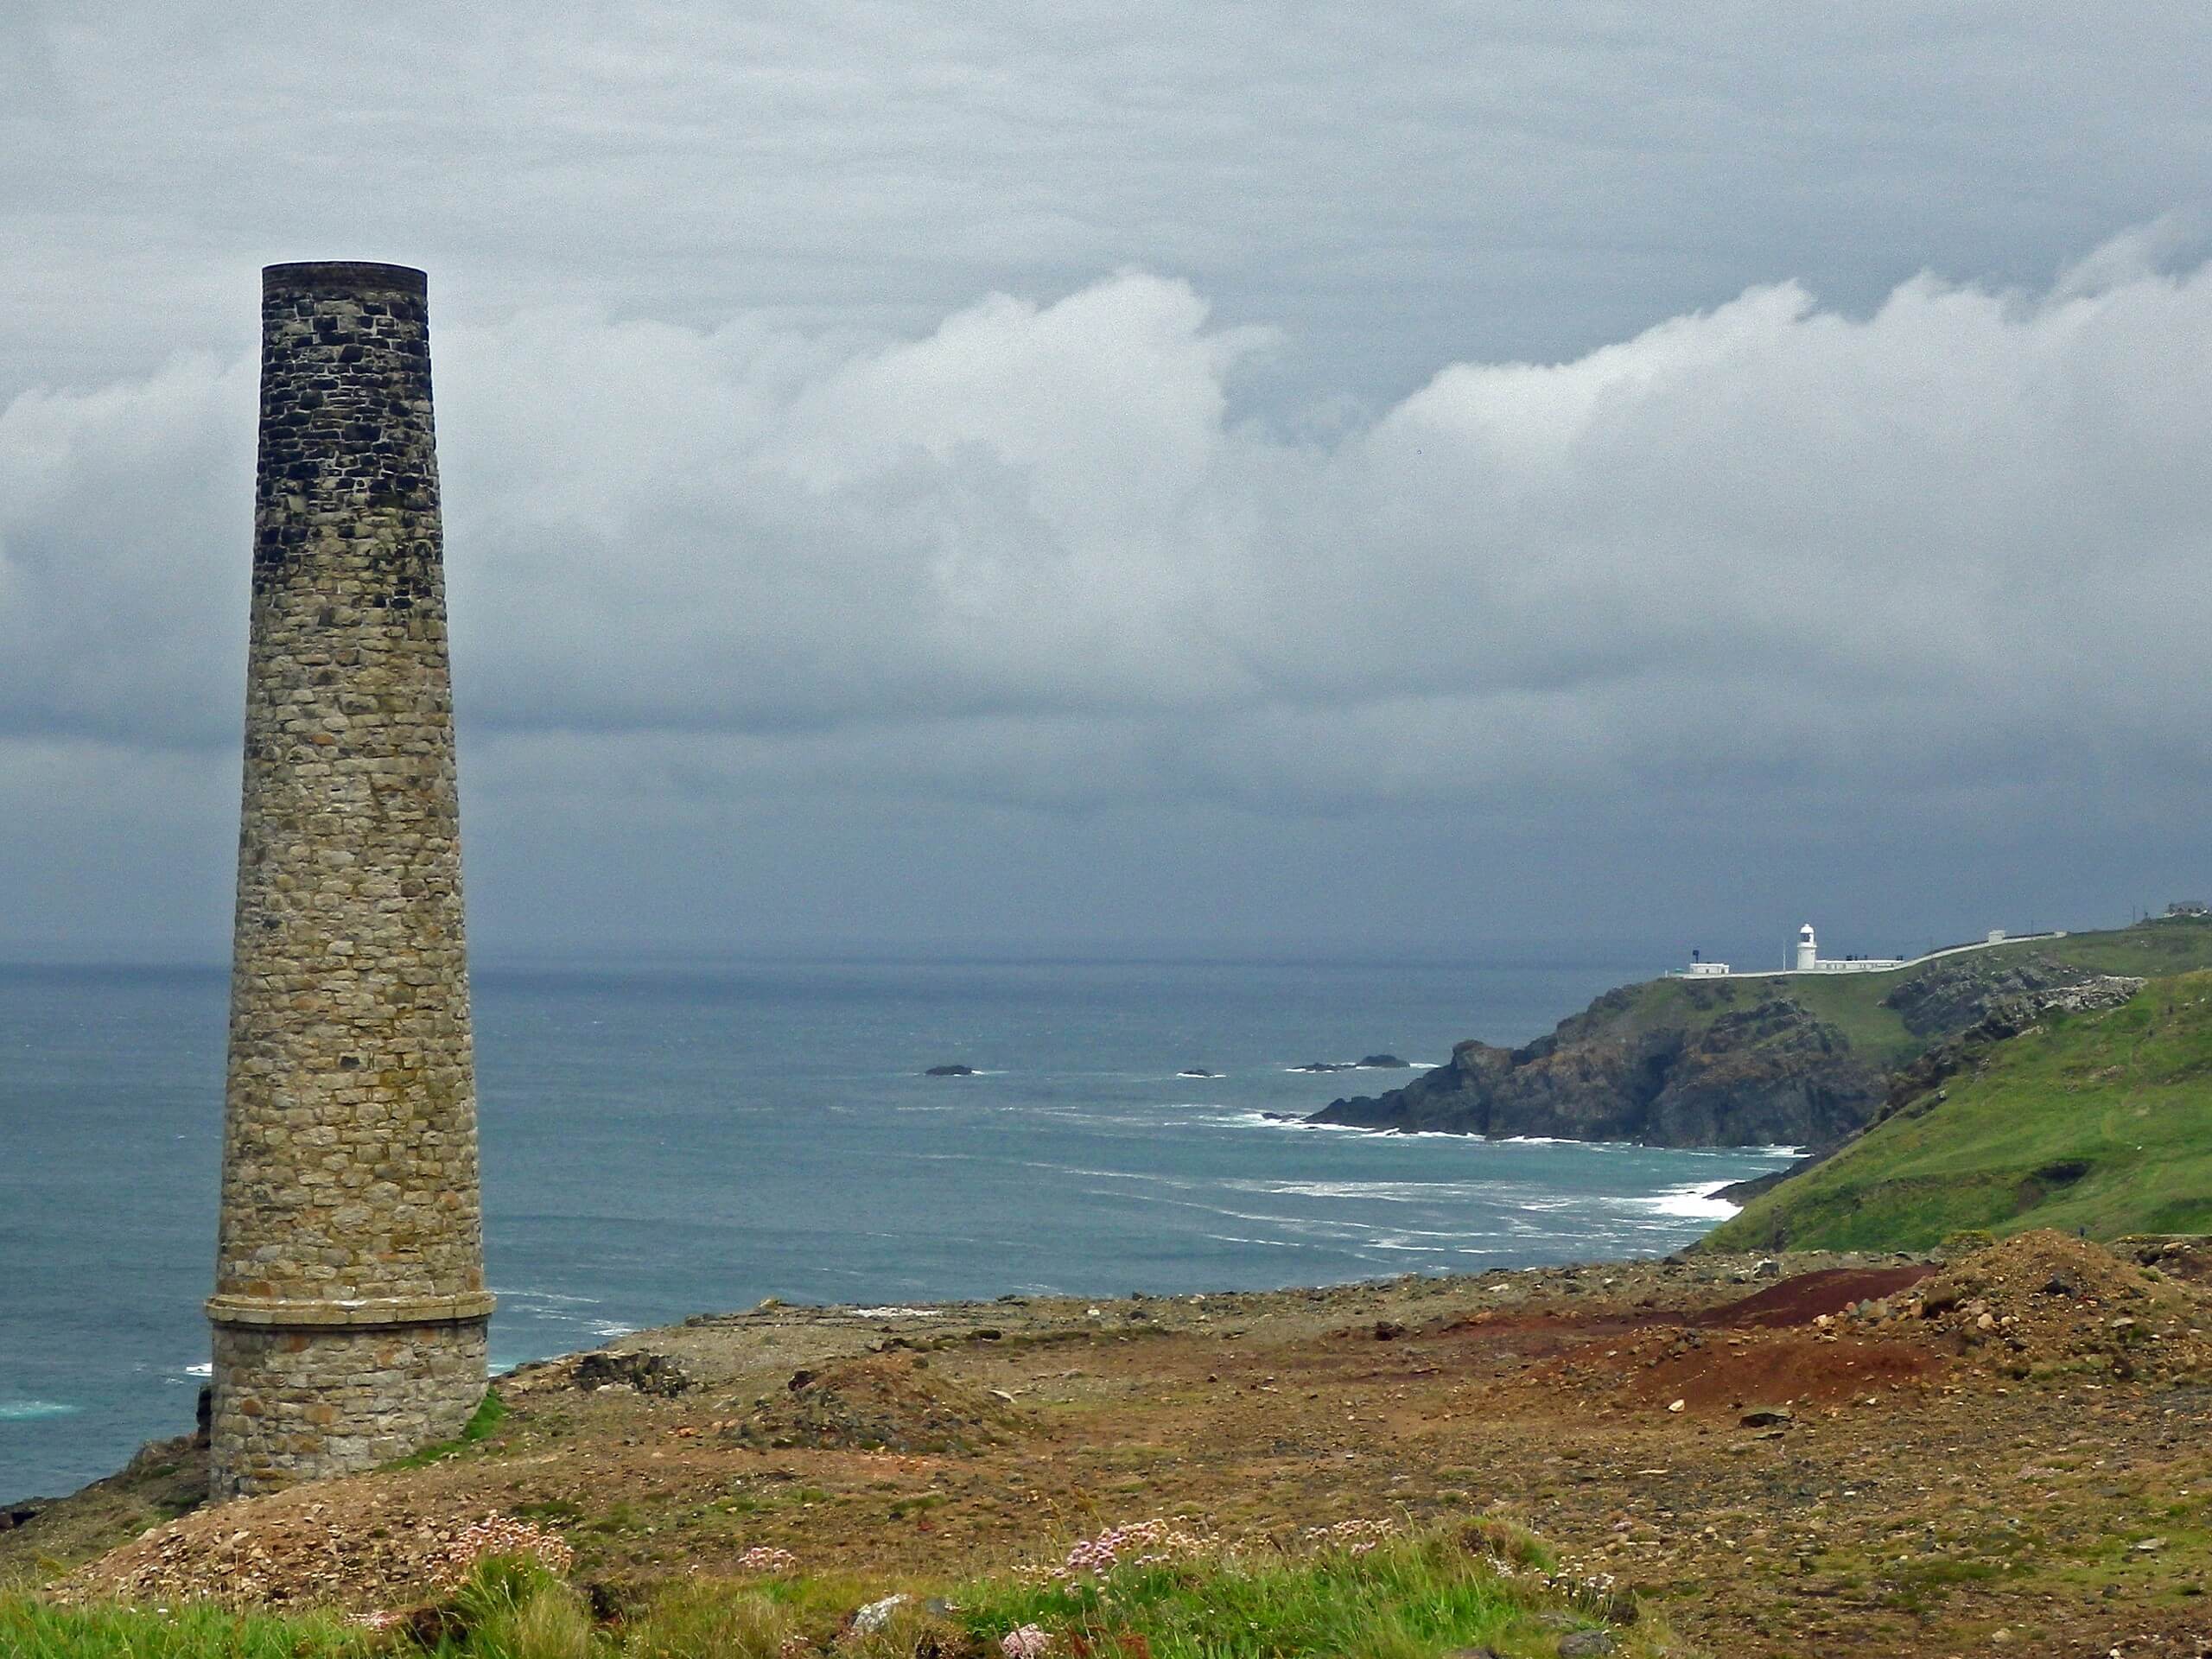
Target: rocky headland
{"points": [[1803, 1060], [1772, 1073]]}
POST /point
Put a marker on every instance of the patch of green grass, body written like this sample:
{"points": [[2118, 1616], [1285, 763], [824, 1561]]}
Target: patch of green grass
{"points": [[920, 1504], [1920, 1586], [30, 1629], [2093, 1122], [623, 1516], [552, 1511], [487, 1416], [1415, 1597], [482, 1424], [1405, 1599]]}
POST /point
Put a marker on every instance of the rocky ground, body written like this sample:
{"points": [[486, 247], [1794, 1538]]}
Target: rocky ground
{"points": [[2008, 1451]]}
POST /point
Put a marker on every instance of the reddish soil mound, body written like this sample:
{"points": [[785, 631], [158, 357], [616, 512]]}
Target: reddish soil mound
{"points": [[1780, 1370], [1805, 1298]]}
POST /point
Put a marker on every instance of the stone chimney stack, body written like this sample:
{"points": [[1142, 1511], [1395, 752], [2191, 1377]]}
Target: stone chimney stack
{"points": [[350, 1313]]}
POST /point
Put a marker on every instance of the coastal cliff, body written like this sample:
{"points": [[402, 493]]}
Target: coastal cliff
{"points": [[1770, 1073], [1796, 1060]]}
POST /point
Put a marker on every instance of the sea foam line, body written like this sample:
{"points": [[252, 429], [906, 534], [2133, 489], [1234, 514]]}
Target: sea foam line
{"points": [[1694, 1201], [24, 1411]]}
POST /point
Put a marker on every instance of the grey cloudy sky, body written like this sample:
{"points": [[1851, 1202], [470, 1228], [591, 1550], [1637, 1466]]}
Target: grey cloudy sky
{"points": [[1422, 475]]}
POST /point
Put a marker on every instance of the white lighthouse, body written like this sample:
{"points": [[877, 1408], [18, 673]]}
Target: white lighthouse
{"points": [[1803, 956]]}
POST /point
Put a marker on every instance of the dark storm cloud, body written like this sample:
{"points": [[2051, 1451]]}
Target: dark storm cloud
{"points": [[1528, 426]]}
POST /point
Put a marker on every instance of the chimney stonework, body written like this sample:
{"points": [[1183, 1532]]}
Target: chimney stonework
{"points": [[350, 1313]]}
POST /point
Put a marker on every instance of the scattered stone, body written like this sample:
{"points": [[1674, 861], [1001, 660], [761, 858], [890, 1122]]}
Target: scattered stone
{"points": [[1583, 1645], [883, 1403], [655, 1374], [1764, 1417], [873, 1617], [1388, 1331]]}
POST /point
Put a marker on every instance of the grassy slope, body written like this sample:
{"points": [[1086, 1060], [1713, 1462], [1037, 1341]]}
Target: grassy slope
{"points": [[1851, 1002], [2127, 1093], [2150, 949]]}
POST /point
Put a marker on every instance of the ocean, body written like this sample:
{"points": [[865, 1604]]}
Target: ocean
{"points": [[662, 1138]]}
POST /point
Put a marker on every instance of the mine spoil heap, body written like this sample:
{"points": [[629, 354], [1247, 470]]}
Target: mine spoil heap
{"points": [[349, 1313]]}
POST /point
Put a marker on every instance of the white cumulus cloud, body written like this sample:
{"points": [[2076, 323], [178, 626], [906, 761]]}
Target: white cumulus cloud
{"points": [[1951, 552]]}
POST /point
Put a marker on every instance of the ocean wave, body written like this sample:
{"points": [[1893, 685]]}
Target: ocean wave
{"points": [[1693, 1201], [1156, 1178], [1247, 1118], [525, 1293], [24, 1411], [1374, 1191]]}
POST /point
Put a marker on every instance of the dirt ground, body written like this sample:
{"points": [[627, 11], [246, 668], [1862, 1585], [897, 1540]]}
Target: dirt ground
{"points": [[2008, 1452]]}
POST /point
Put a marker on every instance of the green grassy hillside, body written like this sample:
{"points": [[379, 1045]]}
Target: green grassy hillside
{"points": [[1853, 1002], [2097, 1122]]}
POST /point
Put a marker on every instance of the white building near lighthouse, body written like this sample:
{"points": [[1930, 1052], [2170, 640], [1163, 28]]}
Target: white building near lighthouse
{"points": [[1804, 958], [1808, 959]]}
